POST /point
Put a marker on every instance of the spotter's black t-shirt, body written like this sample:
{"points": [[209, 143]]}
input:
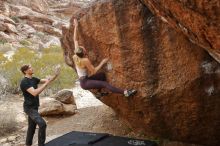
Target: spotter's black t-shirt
{"points": [[30, 101]]}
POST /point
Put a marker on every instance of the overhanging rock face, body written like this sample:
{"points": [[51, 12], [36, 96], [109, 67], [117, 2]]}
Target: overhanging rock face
{"points": [[177, 81], [199, 20]]}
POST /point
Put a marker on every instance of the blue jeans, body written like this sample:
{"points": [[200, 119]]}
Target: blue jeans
{"points": [[34, 119]]}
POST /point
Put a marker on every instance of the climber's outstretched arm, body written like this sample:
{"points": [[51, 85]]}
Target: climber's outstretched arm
{"points": [[75, 34]]}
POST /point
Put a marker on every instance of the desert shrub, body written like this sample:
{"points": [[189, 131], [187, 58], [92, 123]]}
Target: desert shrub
{"points": [[3, 41], [25, 42], [2, 58], [8, 122], [3, 81], [43, 64], [16, 19], [11, 69], [5, 47]]}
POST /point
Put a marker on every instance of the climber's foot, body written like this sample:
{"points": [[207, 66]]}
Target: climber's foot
{"points": [[129, 93]]}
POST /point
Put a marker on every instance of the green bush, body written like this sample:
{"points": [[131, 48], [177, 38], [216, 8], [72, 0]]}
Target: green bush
{"points": [[3, 41], [43, 64], [25, 42], [16, 19], [5, 47], [2, 58]]}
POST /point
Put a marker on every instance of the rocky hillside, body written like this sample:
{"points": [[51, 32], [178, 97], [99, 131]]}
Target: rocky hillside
{"points": [[35, 24], [160, 49]]}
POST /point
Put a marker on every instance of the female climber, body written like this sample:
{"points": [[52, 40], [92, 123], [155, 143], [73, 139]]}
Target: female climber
{"points": [[88, 76]]}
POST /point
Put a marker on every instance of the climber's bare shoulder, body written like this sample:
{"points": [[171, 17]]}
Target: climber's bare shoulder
{"points": [[85, 60]]}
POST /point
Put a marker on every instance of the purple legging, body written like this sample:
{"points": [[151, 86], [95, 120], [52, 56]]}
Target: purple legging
{"points": [[98, 81]]}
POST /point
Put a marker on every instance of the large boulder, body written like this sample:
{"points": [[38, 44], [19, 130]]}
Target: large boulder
{"points": [[177, 81], [198, 20], [50, 107]]}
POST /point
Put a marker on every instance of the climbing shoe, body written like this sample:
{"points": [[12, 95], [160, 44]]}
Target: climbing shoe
{"points": [[129, 93]]}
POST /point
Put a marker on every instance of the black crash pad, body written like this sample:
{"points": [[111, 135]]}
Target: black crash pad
{"points": [[76, 138], [123, 141]]}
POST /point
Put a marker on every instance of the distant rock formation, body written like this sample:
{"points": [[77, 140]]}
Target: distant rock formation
{"points": [[178, 82], [36, 16], [36, 5]]}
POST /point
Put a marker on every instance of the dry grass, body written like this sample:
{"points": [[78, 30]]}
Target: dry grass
{"points": [[7, 121]]}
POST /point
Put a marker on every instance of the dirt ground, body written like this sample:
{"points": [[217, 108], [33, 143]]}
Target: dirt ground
{"points": [[101, 119], [94, 118]]}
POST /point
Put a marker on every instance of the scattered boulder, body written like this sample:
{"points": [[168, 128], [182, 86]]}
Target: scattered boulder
{"points": [[6, 19], [26, 29], [6, 37], [11, 138], [2, 26], [65, 96], [4, 140], [62, 103], [10, 28], [50, 106]]}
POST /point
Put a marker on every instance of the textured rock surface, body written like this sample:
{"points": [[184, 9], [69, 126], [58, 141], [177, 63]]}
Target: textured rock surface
{"points": [[198, 20], [66, 7], [65, 96], [177, 81], [36, 5], [50, 107]]}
